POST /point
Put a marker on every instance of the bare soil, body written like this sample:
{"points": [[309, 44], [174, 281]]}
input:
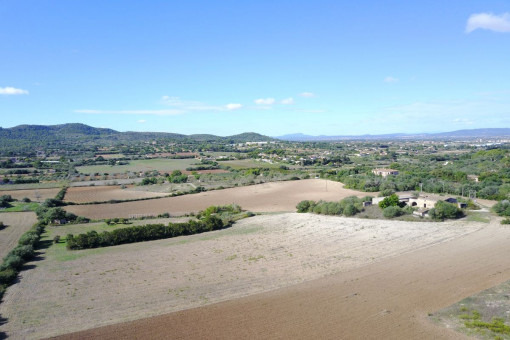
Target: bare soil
{"points": [[82, 289], [17, 223], [105, 193], [267, 197], [388, 299]]}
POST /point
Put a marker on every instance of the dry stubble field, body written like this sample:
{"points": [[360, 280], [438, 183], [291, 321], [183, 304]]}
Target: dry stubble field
{"points": [[90, 288], [267, 197], [17, 224]]}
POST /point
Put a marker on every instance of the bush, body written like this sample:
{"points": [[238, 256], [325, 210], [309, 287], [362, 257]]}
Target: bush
{"points": [[25, 252], [392, 211], [2, 225], [56, 239], [30, 237], [304, 206], [7, 276], [390, 201], [505, 221], [12, 262], [502, 208], [26, 200], [443, 210]]}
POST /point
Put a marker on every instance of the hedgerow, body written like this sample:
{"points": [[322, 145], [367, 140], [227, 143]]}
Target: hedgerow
{"points": [[147, 232]]}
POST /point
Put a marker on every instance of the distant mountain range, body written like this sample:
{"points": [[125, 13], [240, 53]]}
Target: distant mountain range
{"points": [[28, 137], [470, 134]]}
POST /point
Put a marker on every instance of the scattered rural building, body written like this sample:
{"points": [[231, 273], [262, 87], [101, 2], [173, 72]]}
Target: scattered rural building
{"points": [[384, 172], [473, 177]]}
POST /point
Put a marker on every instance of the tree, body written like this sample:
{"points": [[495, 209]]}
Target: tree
{"points": [[390, 201]]}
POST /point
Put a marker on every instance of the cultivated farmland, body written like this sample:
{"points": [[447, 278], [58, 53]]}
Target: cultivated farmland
{"points": [[17, 223], [36, 195], [89, 288], [267, 197], [158, 164], [106, 193]]}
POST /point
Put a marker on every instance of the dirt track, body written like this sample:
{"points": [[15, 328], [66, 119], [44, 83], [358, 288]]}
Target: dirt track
{"points": [[385, 300], [267, 197]]}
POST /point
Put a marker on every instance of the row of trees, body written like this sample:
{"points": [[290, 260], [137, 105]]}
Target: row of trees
{"points": [[148, 232]]}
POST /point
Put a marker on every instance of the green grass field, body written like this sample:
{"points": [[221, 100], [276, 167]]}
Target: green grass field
{"points": [[28, 186], [21, 206], [159, 164]]}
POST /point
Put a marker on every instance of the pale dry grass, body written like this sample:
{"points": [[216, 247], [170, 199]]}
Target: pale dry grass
{"points": [[17, 223], [97, 287]]}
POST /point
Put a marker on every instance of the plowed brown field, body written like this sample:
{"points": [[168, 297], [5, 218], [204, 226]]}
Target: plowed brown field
{"points": [[267, 197], [389, 299], [105, 193]]}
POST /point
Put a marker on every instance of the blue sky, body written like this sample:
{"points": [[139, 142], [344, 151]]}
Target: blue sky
{"points": [[273, 67]]}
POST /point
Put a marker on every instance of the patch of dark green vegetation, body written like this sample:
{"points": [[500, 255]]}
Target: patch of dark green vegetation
{"points": [[213, 218], [349, 206]]}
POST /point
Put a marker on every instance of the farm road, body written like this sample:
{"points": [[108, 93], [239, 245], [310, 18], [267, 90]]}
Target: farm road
{"points": [[389, 299]]}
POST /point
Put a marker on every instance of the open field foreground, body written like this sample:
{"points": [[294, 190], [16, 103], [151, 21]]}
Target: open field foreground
{"points": [[106, 193], [83, 289], [17, 223], [267, 197], [388, 299]]}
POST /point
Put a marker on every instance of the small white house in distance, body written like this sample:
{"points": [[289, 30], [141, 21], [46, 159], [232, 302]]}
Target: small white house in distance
{"points": [[384, 172]]}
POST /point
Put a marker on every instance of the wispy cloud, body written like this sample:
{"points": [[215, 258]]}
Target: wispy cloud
{"points": [[264, 101], [133, 112], [233, 106], [287, 101], [390, 79], [141, 121], [12, 91], [307, 94], [488, 21]]}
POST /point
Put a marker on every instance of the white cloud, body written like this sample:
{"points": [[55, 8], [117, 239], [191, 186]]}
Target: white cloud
{"points": [[488, 21], [133, 112], [12, 91], [307, 94], [264, 101], [141, 121], [233, 106], [390, 79], [287, 101]]}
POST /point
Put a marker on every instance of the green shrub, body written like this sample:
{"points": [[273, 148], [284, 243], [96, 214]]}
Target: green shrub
{"points": [[502, 208], [390, 201], [2, 225], [505, 221], [304, 206], [7, 276], [25, 252], [12, 262], [443, 210], [28, 238], [392, 211]]}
